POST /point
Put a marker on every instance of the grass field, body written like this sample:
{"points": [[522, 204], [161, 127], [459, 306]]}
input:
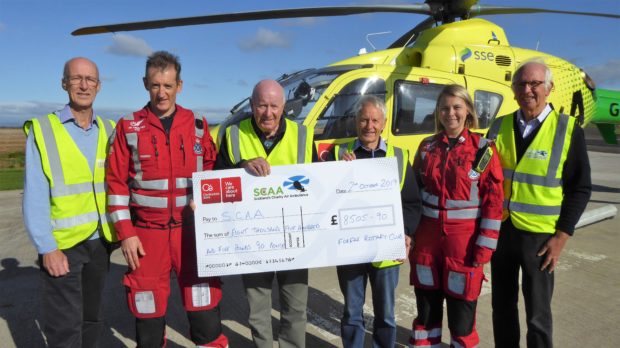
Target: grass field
{"points": [[12, 142]]}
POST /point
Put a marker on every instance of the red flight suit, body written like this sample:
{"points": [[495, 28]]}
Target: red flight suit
{"points": [[461, 218], [149, 188]]}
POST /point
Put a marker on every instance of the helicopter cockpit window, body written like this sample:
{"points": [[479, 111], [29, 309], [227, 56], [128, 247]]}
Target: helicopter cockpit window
{"points": [[338, 120], [487, 105], [414, 107], [302, 94], [301, 90]]}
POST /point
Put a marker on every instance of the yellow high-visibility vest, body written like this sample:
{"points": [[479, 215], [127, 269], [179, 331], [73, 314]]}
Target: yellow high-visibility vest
{"points": [[533, 186], [77, 194], [295, 147], [402, 159]]}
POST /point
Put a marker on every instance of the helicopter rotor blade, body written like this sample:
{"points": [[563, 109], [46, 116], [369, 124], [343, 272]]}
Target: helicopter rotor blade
{"points": [[485, 10], [254, 15], [413, 33]]}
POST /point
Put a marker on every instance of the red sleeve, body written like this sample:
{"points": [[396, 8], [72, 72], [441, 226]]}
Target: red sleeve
{"points": [[491, 203], [117, 175], [208, 160]]}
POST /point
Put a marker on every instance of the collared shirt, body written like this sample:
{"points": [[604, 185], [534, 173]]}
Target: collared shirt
{"points": [[36, 207], [527, 127], [382, 146]]}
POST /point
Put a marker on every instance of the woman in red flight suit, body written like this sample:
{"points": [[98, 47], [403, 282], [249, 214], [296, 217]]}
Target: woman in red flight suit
{"points": [[460, 180]]}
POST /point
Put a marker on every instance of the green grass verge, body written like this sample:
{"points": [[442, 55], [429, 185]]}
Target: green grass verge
{"points": [[11, 179]]}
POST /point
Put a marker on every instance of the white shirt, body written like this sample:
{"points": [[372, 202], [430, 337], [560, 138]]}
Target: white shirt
{"points": [[527, 128]]}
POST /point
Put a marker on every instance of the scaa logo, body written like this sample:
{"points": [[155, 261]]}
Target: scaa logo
{"points": [[297, 183]]}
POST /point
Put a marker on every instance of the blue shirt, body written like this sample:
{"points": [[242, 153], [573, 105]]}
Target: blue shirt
{"points": [[36, 204]]}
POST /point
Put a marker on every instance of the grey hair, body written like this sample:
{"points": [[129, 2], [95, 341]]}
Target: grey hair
{"points": [[372, 100], [534, 61]]}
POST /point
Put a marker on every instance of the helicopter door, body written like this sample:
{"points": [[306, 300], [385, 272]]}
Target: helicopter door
{"points": [[413, 117], [491, 99]]}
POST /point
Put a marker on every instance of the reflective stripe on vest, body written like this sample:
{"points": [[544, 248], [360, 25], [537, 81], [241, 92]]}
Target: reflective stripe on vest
{"points": [[77, 193], [294, 147], [533, 186], [401, 160]]}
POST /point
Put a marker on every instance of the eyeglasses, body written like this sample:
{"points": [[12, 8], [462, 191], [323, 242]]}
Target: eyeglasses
{"points": [[77, 80], [533, 84]]}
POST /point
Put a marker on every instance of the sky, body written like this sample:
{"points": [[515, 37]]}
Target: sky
{"points": [[222, 62]]}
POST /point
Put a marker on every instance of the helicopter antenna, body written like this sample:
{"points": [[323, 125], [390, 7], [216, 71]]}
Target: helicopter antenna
{"points": [[373, 34]]}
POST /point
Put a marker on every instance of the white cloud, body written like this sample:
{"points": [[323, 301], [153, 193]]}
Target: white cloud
{"points": [[264, 39], [127, 45], [302, 22], [14, 114], [606, 74]]}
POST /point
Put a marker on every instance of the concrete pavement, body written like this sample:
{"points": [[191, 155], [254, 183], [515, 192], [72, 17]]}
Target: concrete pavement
{"points": [[586, 302]]}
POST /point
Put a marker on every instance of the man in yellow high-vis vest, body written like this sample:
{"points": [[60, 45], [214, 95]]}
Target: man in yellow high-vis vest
{"points": [[267, 139], [65, 209], [546, 188]]}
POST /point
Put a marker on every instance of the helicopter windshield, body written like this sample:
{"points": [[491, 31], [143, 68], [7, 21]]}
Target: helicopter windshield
{"points": [[302, 90]]}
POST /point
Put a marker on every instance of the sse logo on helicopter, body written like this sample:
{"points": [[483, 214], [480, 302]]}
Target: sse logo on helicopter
{"points": [[478, 55]]}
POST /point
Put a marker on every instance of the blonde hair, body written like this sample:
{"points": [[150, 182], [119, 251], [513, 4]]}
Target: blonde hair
{"points": [[459, 92]]}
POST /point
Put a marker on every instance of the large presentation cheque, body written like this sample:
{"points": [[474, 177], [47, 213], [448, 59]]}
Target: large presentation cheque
{"points": [[300, 216]]}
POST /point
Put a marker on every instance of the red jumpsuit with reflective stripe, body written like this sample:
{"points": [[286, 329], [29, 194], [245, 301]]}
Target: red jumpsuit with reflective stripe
{"points": [[461, 217], [149, 188]]}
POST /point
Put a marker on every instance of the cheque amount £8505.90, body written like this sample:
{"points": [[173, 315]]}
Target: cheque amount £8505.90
{"points": [[364, 217]]}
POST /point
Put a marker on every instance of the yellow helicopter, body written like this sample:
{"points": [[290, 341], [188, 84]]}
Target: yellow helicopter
{"points": [[450, 46]]}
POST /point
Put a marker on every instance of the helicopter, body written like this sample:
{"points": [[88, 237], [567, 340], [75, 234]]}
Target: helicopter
{"points": [[451, 46]]}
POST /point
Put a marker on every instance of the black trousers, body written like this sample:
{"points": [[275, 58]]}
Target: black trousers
{"points": [[517, 249], [71, 304]]}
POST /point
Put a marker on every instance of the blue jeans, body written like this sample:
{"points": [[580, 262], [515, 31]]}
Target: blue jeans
{"points": [[383, 282]]}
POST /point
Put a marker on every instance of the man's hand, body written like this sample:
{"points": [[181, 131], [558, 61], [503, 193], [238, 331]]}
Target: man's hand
{"points": [[56, 263], [257, 166], [553, 249], [132, 251], [348, 156], [407, 248]]}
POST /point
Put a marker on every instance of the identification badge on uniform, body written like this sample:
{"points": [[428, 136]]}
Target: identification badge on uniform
{"points": [[198, 147], [537, 154]]}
